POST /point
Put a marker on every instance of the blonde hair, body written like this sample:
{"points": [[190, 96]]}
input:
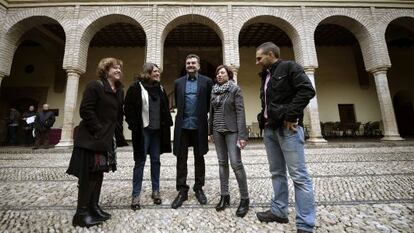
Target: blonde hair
{"points": [[105, 64]]}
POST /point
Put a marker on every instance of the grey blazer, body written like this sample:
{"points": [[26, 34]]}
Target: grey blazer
{"points": [[233, 111]]}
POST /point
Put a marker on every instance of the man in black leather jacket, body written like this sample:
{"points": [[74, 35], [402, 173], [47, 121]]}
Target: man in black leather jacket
{"points": [[284, 93]]}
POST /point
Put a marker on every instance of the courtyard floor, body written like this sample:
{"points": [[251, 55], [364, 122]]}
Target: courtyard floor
{"points": [[359, 187]]}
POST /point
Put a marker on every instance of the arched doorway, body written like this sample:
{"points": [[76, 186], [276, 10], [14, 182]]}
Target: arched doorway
{"points": [[400, 42], [346, 91], [181, 37], [404, 112], [36, 74], [118, 36]]}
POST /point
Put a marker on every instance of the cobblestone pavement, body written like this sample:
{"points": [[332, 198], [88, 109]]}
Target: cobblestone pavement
{"points": [[363, 189]]}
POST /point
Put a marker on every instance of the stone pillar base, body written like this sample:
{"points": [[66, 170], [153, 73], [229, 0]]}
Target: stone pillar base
{"points": [[68, 143], [317, 140], [392, 138]]}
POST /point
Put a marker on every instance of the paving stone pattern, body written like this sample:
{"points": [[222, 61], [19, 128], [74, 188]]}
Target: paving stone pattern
{"points": [[357, 190]]}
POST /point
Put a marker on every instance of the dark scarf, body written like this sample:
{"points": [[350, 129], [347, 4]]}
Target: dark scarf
{"points": [[153, 88]]}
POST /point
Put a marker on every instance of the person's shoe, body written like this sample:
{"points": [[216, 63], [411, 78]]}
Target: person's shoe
{"points": [[84, 218], [99, 213], [200, 196], [179, 200], [243, 208], [135, 204], [224, 202], [303, 231], [156, 197], [104, 213], [268, 216]]}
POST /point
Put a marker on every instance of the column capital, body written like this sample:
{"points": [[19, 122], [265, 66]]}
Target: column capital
{"points": [[234, 68], [2, 74], [379, 70], [73, 70], [309, 69]]}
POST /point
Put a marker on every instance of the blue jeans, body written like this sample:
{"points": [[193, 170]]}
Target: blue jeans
{"points": [[152, 147], [285, 148]]}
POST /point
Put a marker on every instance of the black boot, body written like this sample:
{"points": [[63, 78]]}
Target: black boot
{"points": [[84, 218], [224, 202], [98, 213], [243, 208], [94, 207]]}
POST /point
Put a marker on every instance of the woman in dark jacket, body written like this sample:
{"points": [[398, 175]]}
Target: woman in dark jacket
{"points": [[94, 150], [227, 125], [148, 116]]}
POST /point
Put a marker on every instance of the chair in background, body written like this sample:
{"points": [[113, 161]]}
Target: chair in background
{"points": [[372, 129], [375, 128], [328, 129], [337, 128]]}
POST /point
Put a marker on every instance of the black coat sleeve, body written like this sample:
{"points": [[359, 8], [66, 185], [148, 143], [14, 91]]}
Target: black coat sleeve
{"points": [[88, 107], [119, 130], [304, 92], [209, 88], [166, 114], [132, 107]]}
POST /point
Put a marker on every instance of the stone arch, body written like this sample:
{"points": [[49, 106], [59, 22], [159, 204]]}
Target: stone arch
{"points": [[59, 15], [89, 26], [360, 26], [390, 16], [187, 15], [386, 25], [19, 24], [284, 19]]}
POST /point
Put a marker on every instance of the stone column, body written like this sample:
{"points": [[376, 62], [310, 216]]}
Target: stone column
{"points": [[235, 70], [71, 96], [387, 110], [315, 135]]}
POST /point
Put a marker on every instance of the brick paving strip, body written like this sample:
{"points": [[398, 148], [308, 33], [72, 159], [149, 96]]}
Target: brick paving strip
{"points": [[359, 188]]}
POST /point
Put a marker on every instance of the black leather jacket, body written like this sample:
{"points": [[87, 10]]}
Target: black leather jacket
{"points": [[288, 92]]}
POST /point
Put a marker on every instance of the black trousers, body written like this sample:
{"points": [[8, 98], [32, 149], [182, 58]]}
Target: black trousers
{"points": [[189, 138], [28, 137], [89, 189], [42, 138]]}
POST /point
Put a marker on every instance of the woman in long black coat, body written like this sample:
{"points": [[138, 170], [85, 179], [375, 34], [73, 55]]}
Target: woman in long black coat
{"points": [[101, 112], [148, 116]]}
